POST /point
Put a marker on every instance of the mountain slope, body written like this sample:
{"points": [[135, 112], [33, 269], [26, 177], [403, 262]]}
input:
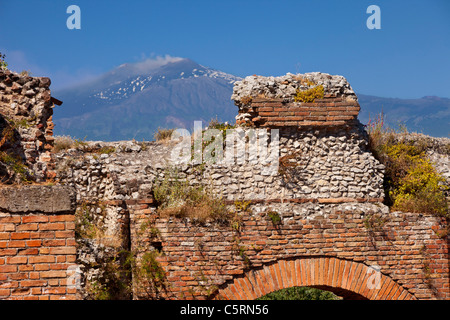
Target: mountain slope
{"points": [[127, 103], [133, 100], [429, 115]]}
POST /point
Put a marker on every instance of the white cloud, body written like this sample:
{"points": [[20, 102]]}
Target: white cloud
{"points": [[63, 77], [150, 64]]}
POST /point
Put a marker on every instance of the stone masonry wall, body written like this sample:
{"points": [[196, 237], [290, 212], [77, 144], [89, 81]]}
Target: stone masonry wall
{"points": [[26, 127], [323, 164], [322, 205]]}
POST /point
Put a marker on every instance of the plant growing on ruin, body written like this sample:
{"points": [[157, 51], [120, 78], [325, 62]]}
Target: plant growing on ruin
{"points": [[374, 222], [411, 183], [62, 143], [176, 197], [241, 251], [3, 64], [16, 166], [162, 134], [287, 165], [309, 95], [12, 166], [246, 100], [300, 293], [149, 273], [87, 220], [274, 217], [106, 150], [113, 279]]}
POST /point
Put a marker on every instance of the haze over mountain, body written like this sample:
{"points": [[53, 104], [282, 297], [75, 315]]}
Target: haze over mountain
{"points": [[133, 100]]}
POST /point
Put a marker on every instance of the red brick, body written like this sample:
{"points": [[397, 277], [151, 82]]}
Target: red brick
{"points": [[12, 219], [33, 283], [26, 252], [63, 250], [16, 244], [268, 114], [28, 219], [8, 252], [5, 292], [42, 267], [20, 235], [27, 227], [43, 235], [64, 234], [16, 260], [41, 259], [52, 226], [55, 290], [53, 243], [62, 218], [53, 274], [5, 235], [265, 109], [7, 268], [34, 243]]}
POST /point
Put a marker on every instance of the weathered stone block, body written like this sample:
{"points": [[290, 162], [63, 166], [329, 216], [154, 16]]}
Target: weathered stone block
{"points": [[50, 199]]}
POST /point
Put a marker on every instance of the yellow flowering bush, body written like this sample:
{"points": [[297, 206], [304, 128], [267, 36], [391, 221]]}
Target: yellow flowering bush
{"points": [[309, 95], [411, 182]]}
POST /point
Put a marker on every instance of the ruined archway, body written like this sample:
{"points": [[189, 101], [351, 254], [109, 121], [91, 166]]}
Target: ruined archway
{"points": [[352, 280]]}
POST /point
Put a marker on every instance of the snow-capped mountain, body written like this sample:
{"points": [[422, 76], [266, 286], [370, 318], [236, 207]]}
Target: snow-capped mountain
{"points": [[138, 82], [133, 100]]}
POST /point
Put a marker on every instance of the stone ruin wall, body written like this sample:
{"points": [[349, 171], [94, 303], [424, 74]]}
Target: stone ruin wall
{"points": [[37, 228], [332, 176], [26, 125], [330, 186]]}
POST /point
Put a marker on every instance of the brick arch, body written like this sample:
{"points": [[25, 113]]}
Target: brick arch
{"points": [[343, 277]]}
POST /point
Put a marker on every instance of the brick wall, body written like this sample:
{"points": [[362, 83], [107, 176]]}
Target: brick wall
{"points": [[36, 246], [224, 262], [330, 111]]}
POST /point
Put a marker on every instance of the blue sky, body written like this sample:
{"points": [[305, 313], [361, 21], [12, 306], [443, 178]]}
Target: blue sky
{"points": [[407, 58]]}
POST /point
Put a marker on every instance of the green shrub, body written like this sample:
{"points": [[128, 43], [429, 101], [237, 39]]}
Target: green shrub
{"points": [[411, 183], [274, 217], [3, 64], [420, 190], [177, 198], [17, 167], [300, 293]]}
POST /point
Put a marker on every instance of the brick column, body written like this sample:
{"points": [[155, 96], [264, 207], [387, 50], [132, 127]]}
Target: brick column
{"points": [[37, 243]]}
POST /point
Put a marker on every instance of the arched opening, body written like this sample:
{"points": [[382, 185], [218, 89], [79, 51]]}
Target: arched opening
{"points": [[300, 293], [348, 279]]}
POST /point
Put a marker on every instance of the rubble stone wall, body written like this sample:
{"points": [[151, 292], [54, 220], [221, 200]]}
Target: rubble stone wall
{"points": [[26, 125]]}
